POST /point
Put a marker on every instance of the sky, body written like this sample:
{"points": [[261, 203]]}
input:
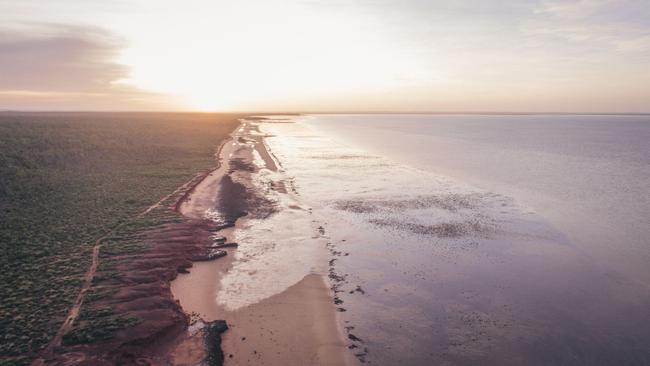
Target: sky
{"points": [[326, 55]]}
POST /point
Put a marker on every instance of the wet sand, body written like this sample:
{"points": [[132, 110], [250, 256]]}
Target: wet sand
{"points": [[297, 325], [203, 196]]}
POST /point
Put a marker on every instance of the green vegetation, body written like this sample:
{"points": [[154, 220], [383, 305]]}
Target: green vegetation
{"points": [[97, 325], [99, 329], [67, 179]]}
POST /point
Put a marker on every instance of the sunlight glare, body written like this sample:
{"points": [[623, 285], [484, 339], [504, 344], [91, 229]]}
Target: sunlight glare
{"points": [[278, 53]]}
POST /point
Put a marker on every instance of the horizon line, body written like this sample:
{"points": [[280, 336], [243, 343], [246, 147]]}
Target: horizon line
{"points": [[329, 112]]}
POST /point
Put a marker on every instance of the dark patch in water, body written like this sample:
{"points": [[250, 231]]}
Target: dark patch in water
{"points": [[343, 157], [449, 202], [356, 206], [243, 140], [441, 230], [235, 200], [241, 165]]}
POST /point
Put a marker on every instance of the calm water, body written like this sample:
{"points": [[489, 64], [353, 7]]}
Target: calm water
{"points": [[505, 239]]}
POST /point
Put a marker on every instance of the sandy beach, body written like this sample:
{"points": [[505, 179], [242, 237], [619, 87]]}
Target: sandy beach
{"points": [[296, 325]]}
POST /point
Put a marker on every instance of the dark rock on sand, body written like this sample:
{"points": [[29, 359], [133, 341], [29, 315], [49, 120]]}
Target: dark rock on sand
{"points": [[236, 200], [354, 338], [213, 333], [211, 255], [224, 245]]}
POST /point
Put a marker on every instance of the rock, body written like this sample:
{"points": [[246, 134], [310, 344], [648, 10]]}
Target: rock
{"points": [[225, 245], [211, 255], [354, 338], [218, 326], [213, 331], [182, 269], [184, 266], [219, 239]]}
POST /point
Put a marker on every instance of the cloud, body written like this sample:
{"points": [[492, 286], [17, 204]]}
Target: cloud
{"points": [[69, 67], [65, 59], [327, 55], [610, 25]]}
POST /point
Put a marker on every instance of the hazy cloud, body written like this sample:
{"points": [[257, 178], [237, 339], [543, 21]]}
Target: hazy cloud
{"points": [[514, 55], [61, 58], [62, 66]]}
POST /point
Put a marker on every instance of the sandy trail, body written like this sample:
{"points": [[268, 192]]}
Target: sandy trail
{"points": [[203, 195], [74, 310], [176, 191]]}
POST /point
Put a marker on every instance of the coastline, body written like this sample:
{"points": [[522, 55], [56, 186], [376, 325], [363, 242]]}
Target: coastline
{"points": [[182, 201], [164, 258], [125, 313], [295, 326], [161, 281]]}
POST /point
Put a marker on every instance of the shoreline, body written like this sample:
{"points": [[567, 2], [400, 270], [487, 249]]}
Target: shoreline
{"points": [[166, 289], [199, 178], [125, 313], [299, 325]]}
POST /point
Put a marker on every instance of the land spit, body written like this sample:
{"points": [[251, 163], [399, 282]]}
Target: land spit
{"points": [[159, 319]]}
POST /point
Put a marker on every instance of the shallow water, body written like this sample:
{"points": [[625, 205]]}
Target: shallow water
{"points": [[504, 239], [280, 244]]}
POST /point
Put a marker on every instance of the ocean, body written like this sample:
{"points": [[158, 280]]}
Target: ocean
{"points": [[466, 239]]}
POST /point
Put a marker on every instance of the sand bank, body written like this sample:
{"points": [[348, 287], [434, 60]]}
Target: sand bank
{"points": [[294, 324]]}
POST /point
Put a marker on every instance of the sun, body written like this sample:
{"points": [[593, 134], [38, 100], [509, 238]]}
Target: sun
{"points": [[203, 102]]}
